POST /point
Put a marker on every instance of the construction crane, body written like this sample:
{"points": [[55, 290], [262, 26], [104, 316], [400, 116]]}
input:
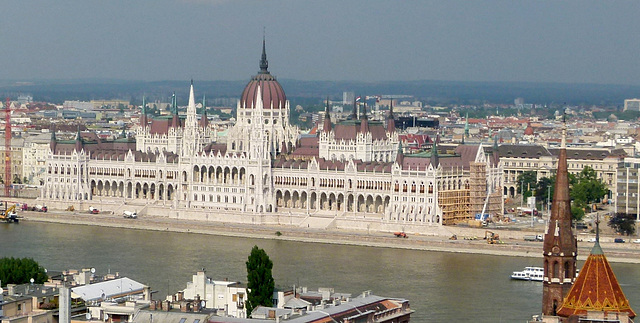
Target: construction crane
{"points": [[7, 148]]}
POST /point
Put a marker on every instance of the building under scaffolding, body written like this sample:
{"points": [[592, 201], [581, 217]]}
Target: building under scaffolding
{"points": [[480, 194]]}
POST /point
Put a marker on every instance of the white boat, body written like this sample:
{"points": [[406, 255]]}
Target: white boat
{"points": [[529, 273], [533, 274]]}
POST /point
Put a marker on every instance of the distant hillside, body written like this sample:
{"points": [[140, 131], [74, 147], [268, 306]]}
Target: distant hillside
{"points": [[433, 92]]}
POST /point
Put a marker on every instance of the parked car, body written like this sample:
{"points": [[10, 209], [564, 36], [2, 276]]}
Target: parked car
{"points": [[636, 241], [618, 240]]}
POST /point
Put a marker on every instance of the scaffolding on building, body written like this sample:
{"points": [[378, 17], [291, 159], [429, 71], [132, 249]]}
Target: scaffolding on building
{"points": [[454, 205]]}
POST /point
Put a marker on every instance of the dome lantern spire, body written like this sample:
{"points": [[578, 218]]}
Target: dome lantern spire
{"points": [[264, 63]]}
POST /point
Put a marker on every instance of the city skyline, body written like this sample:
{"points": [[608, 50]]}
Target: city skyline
{"points": [[532, 41]]}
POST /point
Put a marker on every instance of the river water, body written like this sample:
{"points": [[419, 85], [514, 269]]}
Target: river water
{"points": [[441, 287]]}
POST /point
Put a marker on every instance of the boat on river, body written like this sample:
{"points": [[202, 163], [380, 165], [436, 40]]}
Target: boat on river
{"points": [[532, 274], [529, 273]]}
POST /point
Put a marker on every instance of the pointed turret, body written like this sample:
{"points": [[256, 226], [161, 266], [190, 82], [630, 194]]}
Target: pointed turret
{"points": [[496, 153], [400, 154], [391, 123], [175, 121], [204, 121], [54, 142], [326, 126], [596, 288], [435, 159], [79, 144], [192, 119], [364, 120], [560, 245]]}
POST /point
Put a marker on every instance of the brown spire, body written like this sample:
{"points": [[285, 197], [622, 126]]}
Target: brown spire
{"points": [[326, 127], [391, 123], [204, 122], [560, 245]]}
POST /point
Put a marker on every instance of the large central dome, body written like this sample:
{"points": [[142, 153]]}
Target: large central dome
{"points": [[272, 93]]}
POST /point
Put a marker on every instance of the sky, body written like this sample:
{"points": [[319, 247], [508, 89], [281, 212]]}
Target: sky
{"points": [[582, 41]]}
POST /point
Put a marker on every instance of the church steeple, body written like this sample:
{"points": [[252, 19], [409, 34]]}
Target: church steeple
{"points": [[560, 245]]}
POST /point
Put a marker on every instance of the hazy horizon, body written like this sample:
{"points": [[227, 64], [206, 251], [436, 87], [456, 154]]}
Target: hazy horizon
{"points": [[584, 42]]}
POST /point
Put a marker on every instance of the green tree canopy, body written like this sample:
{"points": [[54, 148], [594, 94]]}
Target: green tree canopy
{"points": [[544, 189], [260, 281], [20, 271], [588, 188], [623, 223], [527, 182]]}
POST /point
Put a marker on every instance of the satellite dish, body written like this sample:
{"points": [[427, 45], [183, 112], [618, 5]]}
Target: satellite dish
{"points": [[93, 270], [32, 280], [202, 304], [88, 316]]}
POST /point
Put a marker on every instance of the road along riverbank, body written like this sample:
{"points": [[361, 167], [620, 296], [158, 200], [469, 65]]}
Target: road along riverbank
{"points": [[469, 240]]}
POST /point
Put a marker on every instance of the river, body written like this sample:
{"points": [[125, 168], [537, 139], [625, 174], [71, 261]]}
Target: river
{"points": [[441, 287]]}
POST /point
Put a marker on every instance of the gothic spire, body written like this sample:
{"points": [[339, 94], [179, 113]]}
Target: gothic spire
{"points": [[78, 140], [204, 121], [400, 154], [391, 123], [496, 154], [435, 160], [264, 63], [364, 120], [560, 245], [53, 142], [326, 126]]}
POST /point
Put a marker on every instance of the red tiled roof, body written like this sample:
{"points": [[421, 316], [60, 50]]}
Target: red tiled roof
{"points": [[595, 289]]}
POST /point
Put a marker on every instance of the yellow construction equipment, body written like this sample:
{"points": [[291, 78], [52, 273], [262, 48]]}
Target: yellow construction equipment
{"points": [[491, 237], [9, 214]]}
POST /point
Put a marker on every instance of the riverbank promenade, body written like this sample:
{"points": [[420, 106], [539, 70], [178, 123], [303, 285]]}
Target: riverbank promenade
{"points": [[469, 240]]}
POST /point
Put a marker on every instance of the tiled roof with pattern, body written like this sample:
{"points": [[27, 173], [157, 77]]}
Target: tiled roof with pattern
{"points": [[596, 289]]}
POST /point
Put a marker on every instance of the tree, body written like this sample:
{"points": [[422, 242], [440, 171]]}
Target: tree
{"points": [[588, 188], [623, 223], [260, 281], [20, 271], [544, 189], [526, 182]]}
